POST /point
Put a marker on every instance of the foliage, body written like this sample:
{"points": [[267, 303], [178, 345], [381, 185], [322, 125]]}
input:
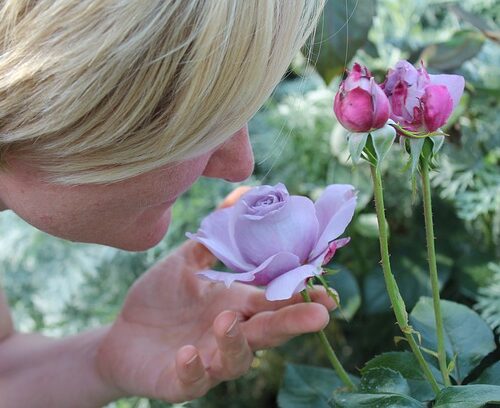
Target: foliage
{"points": [[60, 288]]}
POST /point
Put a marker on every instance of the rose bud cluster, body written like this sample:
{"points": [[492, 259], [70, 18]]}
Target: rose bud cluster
{"points": [[360, 104], [274, 239], [421, 102], [416, 101]]}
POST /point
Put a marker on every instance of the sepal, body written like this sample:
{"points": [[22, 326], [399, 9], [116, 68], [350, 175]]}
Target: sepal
{"points": [[357, 142], [382, 140]]}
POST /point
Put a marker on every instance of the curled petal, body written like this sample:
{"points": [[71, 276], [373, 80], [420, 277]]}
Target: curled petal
{"points": [[294, 229], [437, 107], [286, 285], [454, 83], [216, 233], [332, 248], [270, 269], [334, 210]]}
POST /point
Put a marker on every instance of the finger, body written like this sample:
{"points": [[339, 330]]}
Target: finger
{"points": [[196, 255], [235, 357], [257, 301], [192, 380], [272, 328], [234, 196]]}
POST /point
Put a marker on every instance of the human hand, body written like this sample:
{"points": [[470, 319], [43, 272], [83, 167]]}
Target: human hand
{"points": [[177, 336]]}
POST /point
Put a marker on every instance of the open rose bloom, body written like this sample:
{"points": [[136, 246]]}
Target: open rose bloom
{"points": [[273, 239]]}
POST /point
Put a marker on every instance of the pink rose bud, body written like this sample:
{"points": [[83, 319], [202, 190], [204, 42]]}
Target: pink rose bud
{"points": [[421, 102], [360, 104]]}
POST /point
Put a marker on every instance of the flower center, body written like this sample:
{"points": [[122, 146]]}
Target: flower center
{"points": [[268, 200]]}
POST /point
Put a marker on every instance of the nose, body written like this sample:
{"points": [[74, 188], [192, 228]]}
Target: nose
{"points": [[233, 161]]}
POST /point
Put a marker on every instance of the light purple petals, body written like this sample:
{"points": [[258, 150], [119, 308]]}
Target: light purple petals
{"points": [[261, 201], [286, 285], [454, 83], [216, 234], [293, 228], [226, 277], [334, 210], [273, 267]]}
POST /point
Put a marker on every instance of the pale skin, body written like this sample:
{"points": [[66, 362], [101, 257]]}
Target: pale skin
{"points": [[176, 336]]}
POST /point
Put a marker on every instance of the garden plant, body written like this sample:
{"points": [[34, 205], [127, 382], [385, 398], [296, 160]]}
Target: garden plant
{"points": [[378, 177]]}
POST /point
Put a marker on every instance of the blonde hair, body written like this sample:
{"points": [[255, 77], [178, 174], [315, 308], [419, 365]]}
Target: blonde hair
{"points": [[96, 91]]}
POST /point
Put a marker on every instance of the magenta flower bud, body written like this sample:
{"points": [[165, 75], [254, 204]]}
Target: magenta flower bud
{"points": [[421, 102], [436, 105], [360, 104]]}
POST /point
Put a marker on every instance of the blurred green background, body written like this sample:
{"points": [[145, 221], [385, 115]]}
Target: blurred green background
{"points": [[60, 288]]}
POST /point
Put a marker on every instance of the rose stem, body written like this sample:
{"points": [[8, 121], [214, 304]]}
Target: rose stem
{"points": [[431, 254], [397, 301], [337, 366]]}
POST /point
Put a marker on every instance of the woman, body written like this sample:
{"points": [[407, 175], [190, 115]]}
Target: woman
{"points": [[109, 110]]}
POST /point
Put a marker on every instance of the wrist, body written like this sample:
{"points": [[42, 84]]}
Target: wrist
{"points": [[88, 345], [38, 371]]}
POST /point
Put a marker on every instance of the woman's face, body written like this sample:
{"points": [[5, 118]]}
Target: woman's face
{"points": [[133, 214]]}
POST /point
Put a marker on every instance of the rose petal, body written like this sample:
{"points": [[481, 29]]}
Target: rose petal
{"points": [[332, 249], [270, 269], [216, 234], [334, 209], [437, 106], [277, 195], [293, 228], [284, 286], [454, 83]]}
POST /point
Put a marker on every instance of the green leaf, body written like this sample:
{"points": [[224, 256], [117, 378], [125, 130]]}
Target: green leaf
{"points": [[450, 55], [490, 376], [307, 386], [357, 142], [352, 400], [367, 225], [466, 335], [382, 141], [477, 21], [405, 363], [384, 380], [412, 275], [340, 33], [468, 396], [347, 287], [474, 273]]}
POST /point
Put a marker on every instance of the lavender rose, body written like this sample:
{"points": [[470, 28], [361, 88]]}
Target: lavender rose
{"points": [[273, 239]]}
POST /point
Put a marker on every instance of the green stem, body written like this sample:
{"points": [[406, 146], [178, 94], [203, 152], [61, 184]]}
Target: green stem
{"points": [[337, 366], [397, 301], [431, 254]]}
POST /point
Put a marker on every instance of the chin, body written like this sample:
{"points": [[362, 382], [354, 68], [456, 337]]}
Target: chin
{"points": [[146, 233]]}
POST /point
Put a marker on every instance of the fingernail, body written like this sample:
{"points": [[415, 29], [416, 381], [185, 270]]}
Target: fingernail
{"points": [[192, 360], [232, 331]]}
